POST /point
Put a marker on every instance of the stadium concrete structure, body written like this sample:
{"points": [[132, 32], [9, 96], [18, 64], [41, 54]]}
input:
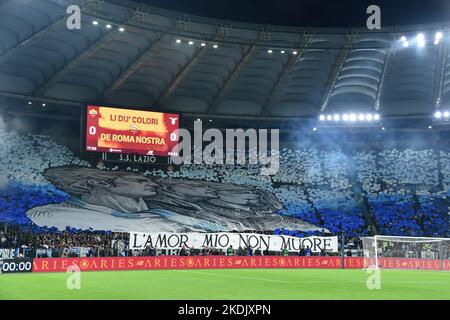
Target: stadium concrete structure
{"points": [[135, 55]]}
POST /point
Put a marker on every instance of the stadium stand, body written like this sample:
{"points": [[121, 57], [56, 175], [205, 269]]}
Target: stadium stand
{"points": [[406, 190], [156, 60]]}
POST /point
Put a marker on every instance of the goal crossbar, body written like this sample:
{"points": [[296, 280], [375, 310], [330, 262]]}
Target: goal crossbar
{"points": [[410, 239]]}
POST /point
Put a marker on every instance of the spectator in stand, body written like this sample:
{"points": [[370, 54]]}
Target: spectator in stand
{"points": [[308, 251], [3, 240], [184, 251], [230, 251], [205, 251], [301, 253], [241, 251]]}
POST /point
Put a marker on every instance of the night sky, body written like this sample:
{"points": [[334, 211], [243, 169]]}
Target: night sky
{"points": [[313, 13]]}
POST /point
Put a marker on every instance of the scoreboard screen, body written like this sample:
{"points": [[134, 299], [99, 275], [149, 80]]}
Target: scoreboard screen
{"points": [[114, 130]]}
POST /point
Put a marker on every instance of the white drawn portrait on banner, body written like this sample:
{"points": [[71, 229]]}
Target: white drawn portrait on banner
{"points": [[123, 202]]}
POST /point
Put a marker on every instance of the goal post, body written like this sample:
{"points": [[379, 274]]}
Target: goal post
{"points": [[418, 253]]}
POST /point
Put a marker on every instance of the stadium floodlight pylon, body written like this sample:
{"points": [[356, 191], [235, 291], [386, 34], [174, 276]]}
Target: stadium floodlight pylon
{"points": [[392, 252]]}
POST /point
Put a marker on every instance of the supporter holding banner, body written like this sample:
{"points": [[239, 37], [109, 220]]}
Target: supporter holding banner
{"points": [[141, 241], [44, 253]]}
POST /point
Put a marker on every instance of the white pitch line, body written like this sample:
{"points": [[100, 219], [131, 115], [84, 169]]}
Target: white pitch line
{"points": [[303, 282], [261, 279]]}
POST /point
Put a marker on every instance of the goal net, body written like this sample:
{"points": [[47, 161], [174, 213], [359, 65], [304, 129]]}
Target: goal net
{"points": [[390, 252]]}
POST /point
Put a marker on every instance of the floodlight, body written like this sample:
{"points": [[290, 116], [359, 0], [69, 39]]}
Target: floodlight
{"points": [[421, 40]]}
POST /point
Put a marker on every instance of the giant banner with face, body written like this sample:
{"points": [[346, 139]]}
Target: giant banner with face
{"points": [[125, 202], [139, 241]]}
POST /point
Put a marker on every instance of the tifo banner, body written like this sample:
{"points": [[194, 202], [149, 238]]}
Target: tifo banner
{"points": [[156, 204], [139, 240], [200, 262]]}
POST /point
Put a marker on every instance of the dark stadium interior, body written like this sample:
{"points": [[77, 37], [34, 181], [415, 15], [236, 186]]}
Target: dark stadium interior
{"points": [[311, 13]]}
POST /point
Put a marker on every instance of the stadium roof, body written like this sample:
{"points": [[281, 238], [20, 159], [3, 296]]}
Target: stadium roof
{"points": [[163, 60], [312, 13]]}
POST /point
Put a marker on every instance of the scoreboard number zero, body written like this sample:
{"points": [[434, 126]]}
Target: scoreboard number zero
{"points": [[92, 130]]}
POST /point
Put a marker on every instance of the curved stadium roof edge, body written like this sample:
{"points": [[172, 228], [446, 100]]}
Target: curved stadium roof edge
{"points": [[278, 28], [145, 67]]}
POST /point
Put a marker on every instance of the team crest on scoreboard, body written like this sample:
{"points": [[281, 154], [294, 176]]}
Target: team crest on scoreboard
{"points": [[134, 128], [93, 113]]}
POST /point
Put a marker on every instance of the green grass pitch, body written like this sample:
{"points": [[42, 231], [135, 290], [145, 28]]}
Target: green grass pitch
{"points": [[229, 285]]}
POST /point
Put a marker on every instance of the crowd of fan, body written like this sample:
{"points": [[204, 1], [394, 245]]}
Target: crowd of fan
{"points": [[23, 158], [8, 240], [106, 244], [99, 243], [72, 240], [407, 190]]}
